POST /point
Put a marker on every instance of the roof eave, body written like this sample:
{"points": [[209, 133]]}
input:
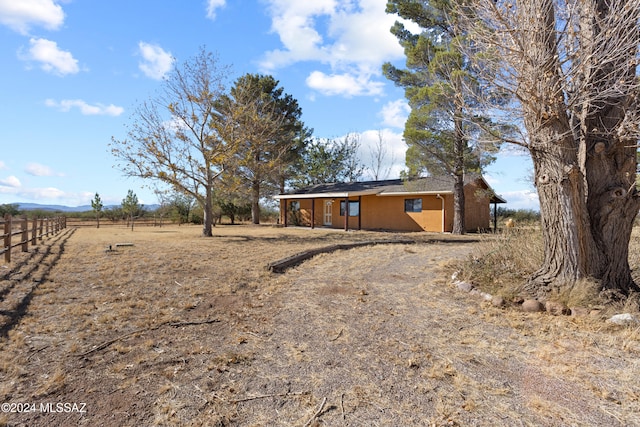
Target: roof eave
{"points": [[497, 199], [414, 193], [335, 195]]}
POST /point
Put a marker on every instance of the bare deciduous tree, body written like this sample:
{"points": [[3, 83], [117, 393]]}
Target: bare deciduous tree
{"points": [[572, 67], [175, 138], [378, 159]]}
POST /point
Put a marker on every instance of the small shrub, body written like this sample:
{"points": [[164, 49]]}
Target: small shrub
{"points": [[503, 262], [520, 216]]}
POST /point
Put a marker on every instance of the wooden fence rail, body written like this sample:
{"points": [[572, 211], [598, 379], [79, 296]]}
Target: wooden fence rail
{"points": [[40, 228]]}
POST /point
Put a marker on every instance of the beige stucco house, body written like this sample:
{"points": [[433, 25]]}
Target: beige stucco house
{"points": [[424, 204]]}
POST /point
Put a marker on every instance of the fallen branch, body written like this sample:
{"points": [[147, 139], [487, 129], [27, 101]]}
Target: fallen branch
{"points": [[308, 423], [37, 351], [342, 405], [265, 396], [337, 336], [153, 328]]}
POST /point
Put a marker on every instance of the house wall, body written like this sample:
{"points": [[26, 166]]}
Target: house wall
{"points": [[477, 208], [377, 213], [387, 212]]}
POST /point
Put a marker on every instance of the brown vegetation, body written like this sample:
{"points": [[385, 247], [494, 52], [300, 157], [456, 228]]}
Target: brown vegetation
{"points": [[183, 330]]}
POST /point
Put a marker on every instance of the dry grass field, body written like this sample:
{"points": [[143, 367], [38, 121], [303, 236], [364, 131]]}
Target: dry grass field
{"points": [[176, 329]]}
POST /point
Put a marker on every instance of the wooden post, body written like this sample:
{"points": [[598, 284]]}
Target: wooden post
{"points": [[283, 203], [7, 237], [346, 213], [40, 236], [24, 226], [359, 212], [34, 231], [313, 213]]}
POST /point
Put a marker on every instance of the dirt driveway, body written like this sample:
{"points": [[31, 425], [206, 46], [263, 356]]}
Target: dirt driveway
{"points": [[180, 330]]}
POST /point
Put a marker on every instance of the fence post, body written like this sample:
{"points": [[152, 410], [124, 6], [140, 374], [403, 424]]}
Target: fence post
{"points": [[24, 226], [41, 228], [7, 237], [46, 220], [34, 231]]}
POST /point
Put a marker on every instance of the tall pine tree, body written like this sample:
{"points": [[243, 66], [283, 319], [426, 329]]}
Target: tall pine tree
{"points": [[443, 129], [265, 125]]}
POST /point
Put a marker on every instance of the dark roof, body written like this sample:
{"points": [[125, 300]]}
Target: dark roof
{"points": [[443, 183], [430, 184], [345, 187]]}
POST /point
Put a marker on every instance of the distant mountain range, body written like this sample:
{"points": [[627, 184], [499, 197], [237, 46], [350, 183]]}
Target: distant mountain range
{"points": [[61, 208]]}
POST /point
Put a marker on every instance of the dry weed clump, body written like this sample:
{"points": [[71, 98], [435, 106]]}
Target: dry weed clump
{"points": [[502, 263]]}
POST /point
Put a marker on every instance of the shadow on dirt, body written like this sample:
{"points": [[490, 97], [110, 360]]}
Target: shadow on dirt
{"points": [[43, 265]]}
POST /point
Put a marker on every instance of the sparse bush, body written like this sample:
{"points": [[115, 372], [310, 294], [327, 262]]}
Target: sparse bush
{"points": [[269, 214], [503, 263], [520, 216], [9, 209]]}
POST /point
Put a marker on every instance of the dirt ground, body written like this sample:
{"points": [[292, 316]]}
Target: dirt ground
{"points": [[170, 328]]}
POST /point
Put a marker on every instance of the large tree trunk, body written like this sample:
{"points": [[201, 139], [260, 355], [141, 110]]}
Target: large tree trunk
{"points": [[459, 226], [564, 216], [559, 180], [207, 221], [255, 202], [458, 205], [613, 205], [584, 170], [609, 157]]}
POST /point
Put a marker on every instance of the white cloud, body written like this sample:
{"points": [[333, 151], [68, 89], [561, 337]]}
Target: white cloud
{"points": [[37, 169], [10, 181], [352, 37], [395, 113], [522, 199], [21, 15], [43, 195], [156, 61], [347, 85], [86, 109], [2, 165], [51, 58], [13, 188], [213, 6]]}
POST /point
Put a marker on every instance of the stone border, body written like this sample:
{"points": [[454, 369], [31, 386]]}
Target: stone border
{"points": [[284, 264], [535, 306]]}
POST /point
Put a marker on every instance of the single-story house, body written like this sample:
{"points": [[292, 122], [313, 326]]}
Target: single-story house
{"points": [[424, 204]]}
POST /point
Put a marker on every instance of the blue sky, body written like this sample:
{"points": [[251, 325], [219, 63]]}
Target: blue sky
{"points": [[74, 70]]}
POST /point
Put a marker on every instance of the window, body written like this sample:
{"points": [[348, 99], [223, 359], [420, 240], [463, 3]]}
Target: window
{"points": [[413, 205], [354, 208], [295, 206]]}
